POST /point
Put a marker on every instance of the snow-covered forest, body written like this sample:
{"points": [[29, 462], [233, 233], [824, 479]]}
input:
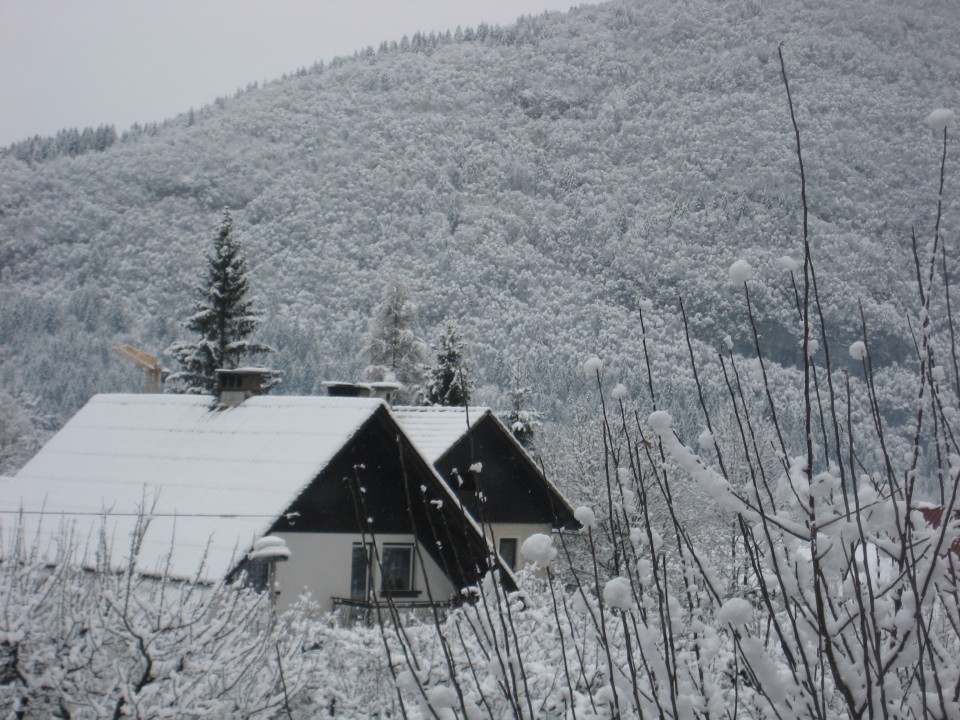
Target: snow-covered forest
{"points": [[765, 459], [534, 183]]}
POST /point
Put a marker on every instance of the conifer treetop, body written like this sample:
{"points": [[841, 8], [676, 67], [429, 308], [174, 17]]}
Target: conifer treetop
{"points": [[224, 317]]}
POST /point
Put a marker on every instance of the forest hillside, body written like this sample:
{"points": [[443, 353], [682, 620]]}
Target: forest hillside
{"points": [[537, 183]]}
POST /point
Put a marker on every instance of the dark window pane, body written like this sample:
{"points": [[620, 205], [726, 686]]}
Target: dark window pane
{"points": [[256, 575], [508, 551], [397, 567], [358, 573]]}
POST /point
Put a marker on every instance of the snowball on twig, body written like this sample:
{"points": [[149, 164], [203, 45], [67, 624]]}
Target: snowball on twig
{"points": [[538, 548], [740, 272], [942, 119], [592, 366], [618, 594], [585, 516], [735, 611], [789, 264]]}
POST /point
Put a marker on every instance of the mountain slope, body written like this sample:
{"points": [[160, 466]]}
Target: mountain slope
{"points": [[535, 184]]}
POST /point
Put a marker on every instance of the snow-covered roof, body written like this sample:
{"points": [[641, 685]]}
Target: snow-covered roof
{"points": [[213, 479], [435, 429]]}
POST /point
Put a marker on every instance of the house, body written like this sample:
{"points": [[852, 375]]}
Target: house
{"points": [[495, 479], [361, 512]]}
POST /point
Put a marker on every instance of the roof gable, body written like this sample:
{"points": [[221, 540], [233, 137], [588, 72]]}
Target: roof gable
{"points": [[213, 480], [454, 438], [380, 484]]}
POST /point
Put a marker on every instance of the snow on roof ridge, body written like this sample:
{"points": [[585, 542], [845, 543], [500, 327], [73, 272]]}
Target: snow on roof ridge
{"points": [[263, 400], [479, 409], [148, 397]]}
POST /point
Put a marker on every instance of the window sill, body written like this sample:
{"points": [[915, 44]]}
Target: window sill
{"points": [[400, 593]]}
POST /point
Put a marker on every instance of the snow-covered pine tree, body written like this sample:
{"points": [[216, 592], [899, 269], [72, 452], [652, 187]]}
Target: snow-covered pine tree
{"points": [[449, 382], [224, 317], [394, 350]]}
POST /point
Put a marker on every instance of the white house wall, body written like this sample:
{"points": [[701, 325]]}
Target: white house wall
{"points": [[321, 563]]}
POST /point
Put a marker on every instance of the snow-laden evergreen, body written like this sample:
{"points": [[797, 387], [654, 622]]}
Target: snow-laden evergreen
{"points": [[224, 317], [523, 421]]}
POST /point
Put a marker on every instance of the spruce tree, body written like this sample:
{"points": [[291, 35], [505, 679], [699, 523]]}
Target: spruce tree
{"points": [[449, 383], [224, 318]]}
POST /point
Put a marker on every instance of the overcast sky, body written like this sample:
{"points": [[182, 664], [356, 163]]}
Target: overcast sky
{"points": [[78, 63]]}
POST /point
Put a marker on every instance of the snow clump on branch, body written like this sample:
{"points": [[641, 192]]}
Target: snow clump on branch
{"points": [[740, 272], [942, 119], [441, 699], [539, 549], [858, 350], [617, 593], [736, 612], [585, 516], [789, 264], [592, 366], [714, 484]]}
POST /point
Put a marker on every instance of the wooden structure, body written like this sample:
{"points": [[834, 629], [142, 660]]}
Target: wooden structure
{"points": [[152, 369], [234, 385]]}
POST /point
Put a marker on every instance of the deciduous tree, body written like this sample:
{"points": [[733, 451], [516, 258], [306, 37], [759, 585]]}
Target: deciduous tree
{"points": [[394, 349], [449, 383]]}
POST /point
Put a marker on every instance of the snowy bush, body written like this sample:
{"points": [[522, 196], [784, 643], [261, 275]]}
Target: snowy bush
{"points": [[99, 643]]}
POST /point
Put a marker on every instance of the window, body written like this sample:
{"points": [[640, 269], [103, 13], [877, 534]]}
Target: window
{"points": [[397, 570], [508, 551], [256, 575], [359, 582], [359, 572]]}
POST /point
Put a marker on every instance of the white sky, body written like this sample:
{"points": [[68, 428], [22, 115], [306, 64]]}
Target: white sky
{"points": [[78, 63]]}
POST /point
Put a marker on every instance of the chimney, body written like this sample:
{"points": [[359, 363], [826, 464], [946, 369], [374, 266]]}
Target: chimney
{"points": [[235, 385], [382, 390]]}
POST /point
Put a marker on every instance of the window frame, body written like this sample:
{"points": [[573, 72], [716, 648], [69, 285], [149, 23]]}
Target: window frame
{"points": [[367, 550], [509, 560], [410, 584]]}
